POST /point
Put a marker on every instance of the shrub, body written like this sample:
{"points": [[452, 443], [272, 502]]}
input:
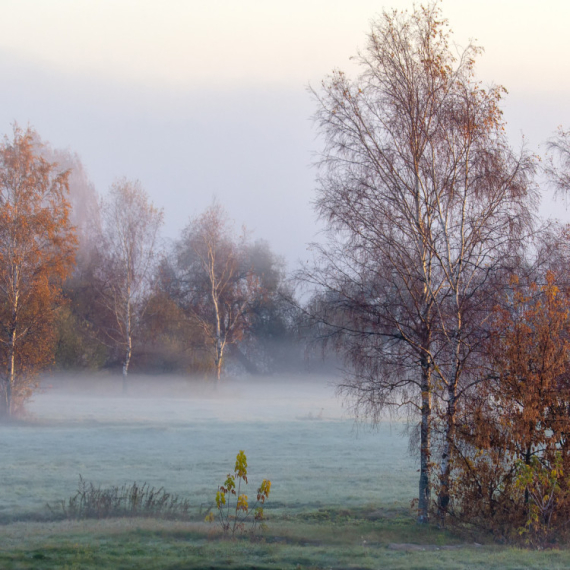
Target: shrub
{"points": [[91, 502], [234, 518]]}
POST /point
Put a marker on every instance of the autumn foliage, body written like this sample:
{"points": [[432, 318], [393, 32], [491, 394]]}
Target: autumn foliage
{"points": [[37, 246], [512, 464]]}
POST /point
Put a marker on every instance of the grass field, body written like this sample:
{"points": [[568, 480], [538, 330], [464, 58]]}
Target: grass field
{"points": [[340, 496]]}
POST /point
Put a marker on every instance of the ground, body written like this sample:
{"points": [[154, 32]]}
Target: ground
{"points": [[340, 496]]}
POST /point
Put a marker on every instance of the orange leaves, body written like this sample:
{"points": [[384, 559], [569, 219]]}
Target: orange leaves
{"points": [[513, 442], [37, 249], [531, 347]]}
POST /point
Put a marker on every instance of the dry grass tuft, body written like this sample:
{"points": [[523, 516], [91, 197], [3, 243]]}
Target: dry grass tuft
{"points": [[92, 502]]}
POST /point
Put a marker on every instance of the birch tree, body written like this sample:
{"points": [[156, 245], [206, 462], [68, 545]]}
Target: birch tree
{"points": [[130, 225], [37, 247], [218, 285], [424, 202]]}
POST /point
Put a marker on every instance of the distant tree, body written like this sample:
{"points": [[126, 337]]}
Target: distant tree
{"points": [[217, 284], [272, 343], [169, 341], [128, 252], [83, 198], [81, 343], [79, 319], [425, 203], [37, 247]]}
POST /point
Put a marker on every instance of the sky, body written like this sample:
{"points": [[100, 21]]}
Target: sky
{"points": [[204, 99]]}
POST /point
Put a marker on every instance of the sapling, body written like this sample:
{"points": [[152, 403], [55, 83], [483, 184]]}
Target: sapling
{"points": [[234, 517], [541, 483]]}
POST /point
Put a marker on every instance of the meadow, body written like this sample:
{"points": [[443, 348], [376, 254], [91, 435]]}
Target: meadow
{"points": [[340, 496]]}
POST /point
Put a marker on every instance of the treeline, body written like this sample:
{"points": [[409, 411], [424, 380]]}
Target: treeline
{"points": [[86, 282], [439, 286]]}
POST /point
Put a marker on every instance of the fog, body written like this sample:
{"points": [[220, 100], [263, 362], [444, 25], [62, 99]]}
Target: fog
{"points": [[184, 435], [206, 99], [76, 398]]}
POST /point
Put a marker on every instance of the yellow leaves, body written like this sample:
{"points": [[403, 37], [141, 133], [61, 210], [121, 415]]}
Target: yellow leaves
{"points": [[220, 499], [242, 504], [264, 490], [241, 465], [230, 484], [209, 518], [233, 518]]}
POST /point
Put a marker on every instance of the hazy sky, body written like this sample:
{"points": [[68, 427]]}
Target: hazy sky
{"points": [[209, 98]]}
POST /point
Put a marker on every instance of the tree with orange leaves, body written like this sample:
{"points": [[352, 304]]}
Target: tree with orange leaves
{"points": [[37, 249], [514, 434]]}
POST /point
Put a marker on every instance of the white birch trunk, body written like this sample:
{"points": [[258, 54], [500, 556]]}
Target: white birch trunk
{"points": [[128, 339]]}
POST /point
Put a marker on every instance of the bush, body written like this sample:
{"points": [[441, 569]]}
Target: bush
{"points": [[233, 519], [91, 502]]}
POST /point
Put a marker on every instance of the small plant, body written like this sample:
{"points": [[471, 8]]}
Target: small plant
{"points": [[542, 486], [234, 517], [91, 502]]}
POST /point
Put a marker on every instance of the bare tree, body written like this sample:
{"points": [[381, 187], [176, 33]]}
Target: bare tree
{"points": [[83, 198], [128, 250], [424, 201], [558, 163], [219, 287]]}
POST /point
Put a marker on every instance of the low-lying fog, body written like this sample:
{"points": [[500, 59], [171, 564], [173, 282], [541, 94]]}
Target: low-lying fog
{"points": [[178, 399], [184, 435]]}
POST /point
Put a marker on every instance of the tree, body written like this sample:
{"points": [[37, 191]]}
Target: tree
{"points": [[516, 426], [167, 336], [83, 198], [37, 247], [78, 318], [272, 342], [558, 163], [81, 343], [130, 225], [217, 285], [425, 203]]}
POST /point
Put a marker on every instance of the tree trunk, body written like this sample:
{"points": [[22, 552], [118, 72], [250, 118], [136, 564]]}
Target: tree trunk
{"points": [[425, 459], [128, 338], [126, 366], [527, 456], [218, 359], [219, 342], [449, 438], [445, 473], [425, 449], [11, 375], [12, 356], [4, 400]]}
